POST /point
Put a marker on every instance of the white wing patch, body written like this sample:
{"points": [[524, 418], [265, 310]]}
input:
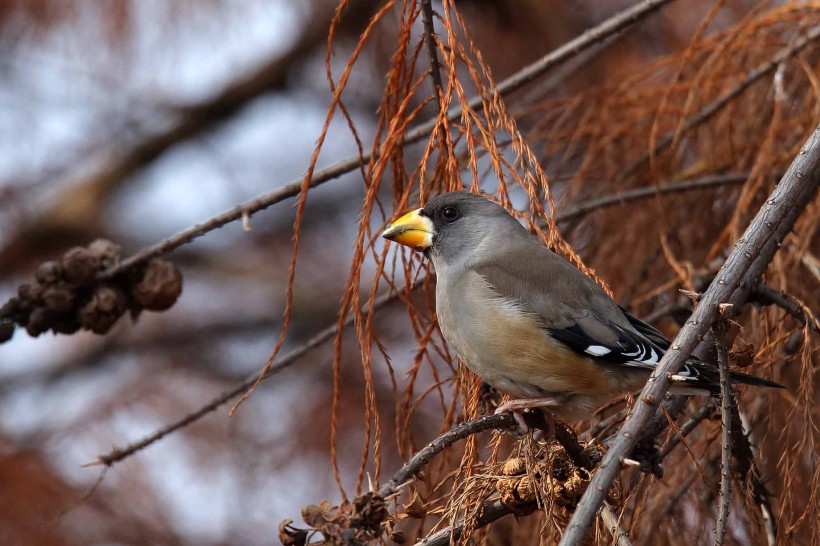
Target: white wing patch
{"points": [[597, 350]]}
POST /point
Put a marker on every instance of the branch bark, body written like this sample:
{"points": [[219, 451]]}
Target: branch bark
{"points": [[726, 403], [777, 214], [432, 51]]}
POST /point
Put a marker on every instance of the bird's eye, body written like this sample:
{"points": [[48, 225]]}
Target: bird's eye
{"points": [[450, 214]]}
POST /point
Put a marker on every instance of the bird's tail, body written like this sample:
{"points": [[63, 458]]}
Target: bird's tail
{"points": [[746, 379], [699, 376]]}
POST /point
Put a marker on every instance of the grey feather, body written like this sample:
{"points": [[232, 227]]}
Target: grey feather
{"points": [[513, 309]]}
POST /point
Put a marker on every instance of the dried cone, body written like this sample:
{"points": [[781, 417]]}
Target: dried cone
{"points": [[6, 331], [106, 251], [39, 321], [160, 286], [103, 309], [80, 266], [60, 297], [48, 272]]}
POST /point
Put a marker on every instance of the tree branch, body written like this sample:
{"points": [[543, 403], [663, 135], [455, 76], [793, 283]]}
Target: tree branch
{"points": [[498, 421], [777, 214], [767, 295], [118, 454], [726, 402], [613, 25], [638, 194], [432, 51], [611, 521]]}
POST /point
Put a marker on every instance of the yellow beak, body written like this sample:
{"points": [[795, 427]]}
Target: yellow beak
{"points": [[413, 230]]}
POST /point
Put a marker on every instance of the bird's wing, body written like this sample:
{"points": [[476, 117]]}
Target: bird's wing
{"points": [[578, 313], [575, 310]]}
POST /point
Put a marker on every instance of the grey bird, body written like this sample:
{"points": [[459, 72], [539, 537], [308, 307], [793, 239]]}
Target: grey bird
{"points": [[527, 321]]}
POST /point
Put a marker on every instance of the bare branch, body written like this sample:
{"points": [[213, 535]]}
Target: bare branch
{"points": [[726, 403], [118, 454], [767, 295], [498, 421], [432, 51], [637, 194], [611, 26], [490, 513], [611, 521], [778, 213]]}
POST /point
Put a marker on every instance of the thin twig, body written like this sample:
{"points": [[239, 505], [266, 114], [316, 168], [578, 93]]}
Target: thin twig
{"points": [[497, 421], [611, 26], [699, 416], [779, 212], [637, 194], [767, 295], [604, 424], [432, 51], [449, 535], [716, 105], [726, 404], [621, 538], [744, 452], [118, 454]]}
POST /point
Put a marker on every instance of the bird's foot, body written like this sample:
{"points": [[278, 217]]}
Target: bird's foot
{"points": [[517, 408]]}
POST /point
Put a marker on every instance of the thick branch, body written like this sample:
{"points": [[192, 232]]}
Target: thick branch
{"points": [[779, 212]]}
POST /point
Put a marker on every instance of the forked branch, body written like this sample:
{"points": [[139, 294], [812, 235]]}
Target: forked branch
{"points": [[790, 196]]}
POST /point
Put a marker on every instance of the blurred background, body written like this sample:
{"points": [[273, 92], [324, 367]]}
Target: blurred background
{"points": [[132, 120]]}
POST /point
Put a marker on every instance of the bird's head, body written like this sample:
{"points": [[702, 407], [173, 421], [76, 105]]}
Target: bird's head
{"points": [[451, 224]]}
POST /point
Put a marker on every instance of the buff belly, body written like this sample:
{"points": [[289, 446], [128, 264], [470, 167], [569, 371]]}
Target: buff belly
{"points": [[510, 349]]}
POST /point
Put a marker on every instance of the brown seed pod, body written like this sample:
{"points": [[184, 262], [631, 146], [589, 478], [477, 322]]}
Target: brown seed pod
{"points": [[6, 331], [48, 272], [39, 321], [60, 297], [13, 310], [105, 307], [160, 286], [107, 251], [29, 293], [80, 266], [66, 323]]}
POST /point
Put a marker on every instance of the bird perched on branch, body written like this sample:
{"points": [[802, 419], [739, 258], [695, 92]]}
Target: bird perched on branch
{"points": [[527, 321]]}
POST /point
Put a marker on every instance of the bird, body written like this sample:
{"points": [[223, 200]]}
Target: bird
{"points": [[528, 322]]}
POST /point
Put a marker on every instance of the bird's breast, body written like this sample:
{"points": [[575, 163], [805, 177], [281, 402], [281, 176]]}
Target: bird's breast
{"points": [[507, 345]]}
